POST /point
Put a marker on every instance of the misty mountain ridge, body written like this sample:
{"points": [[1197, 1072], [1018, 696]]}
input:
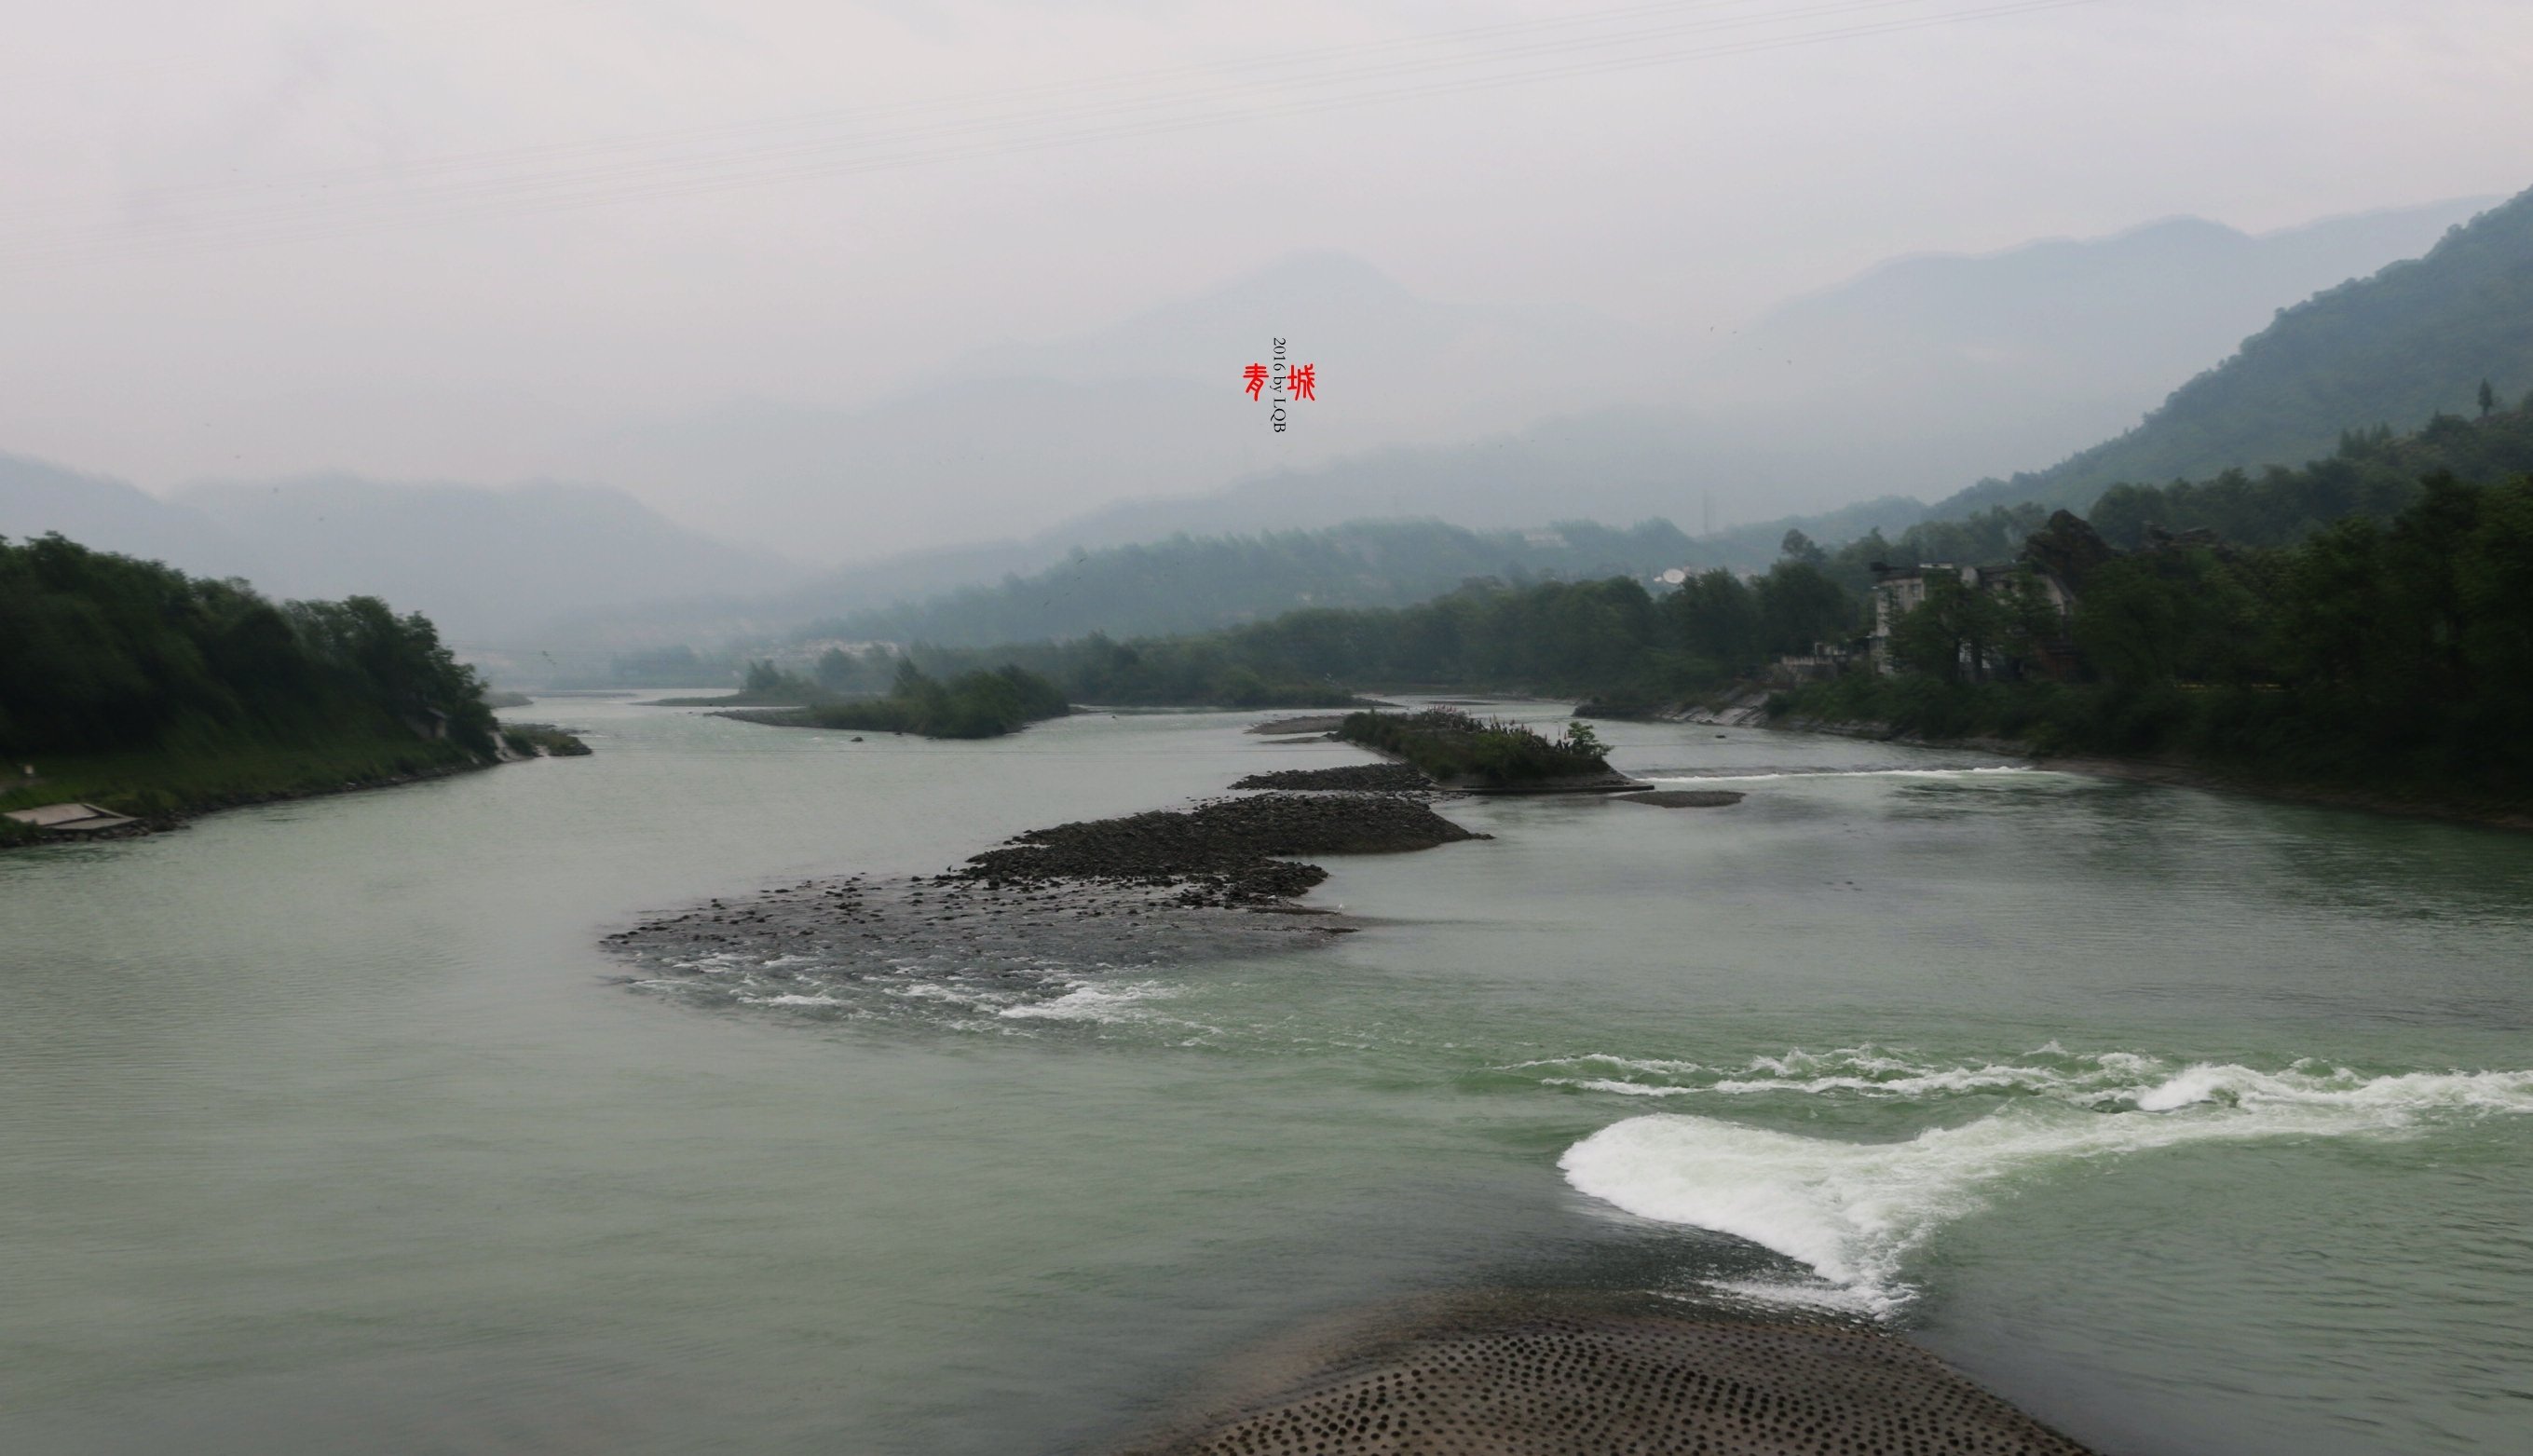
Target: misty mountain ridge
{"points": [[1191, 584], [2013, 328], [1031, 434], [486, 563], [1941, 370], [37, 497], [1937, 368], [2414, 339], [560, 565]]}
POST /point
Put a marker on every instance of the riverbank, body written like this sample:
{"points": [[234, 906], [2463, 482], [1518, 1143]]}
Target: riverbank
{"points": [[159, 790], [2321, 796], [1749, 710]]}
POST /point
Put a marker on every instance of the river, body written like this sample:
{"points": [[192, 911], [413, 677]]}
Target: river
{"points": [[2188, 1123]]}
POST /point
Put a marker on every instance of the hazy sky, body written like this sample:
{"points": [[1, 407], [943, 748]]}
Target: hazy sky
{"points": [[456, 239]]}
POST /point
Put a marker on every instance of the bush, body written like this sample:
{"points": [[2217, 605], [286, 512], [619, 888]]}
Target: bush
{"points": [[1451, 747], [973, 705]]}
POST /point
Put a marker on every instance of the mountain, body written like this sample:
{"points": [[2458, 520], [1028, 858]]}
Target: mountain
{"points": [[1940, 369], [485, 564], [1026, 436], [2373, 474], [1932, 369], [1200, 584], [2396, 348], [1935, 370], [111, 516], [488, 564]]}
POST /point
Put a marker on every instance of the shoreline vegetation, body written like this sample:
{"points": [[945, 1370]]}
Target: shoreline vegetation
{"points": [[2378, 665], [1489, 756], [1751, 711], [158, 697], [983, 704], [2368, 643]]}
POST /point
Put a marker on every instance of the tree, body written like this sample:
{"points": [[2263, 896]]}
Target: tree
{"points": [[2488, 400], [2029, 622], [835, 669], [1797, 546], [102, 652], [1714, 617], [1801, 606], [1951, 633]]}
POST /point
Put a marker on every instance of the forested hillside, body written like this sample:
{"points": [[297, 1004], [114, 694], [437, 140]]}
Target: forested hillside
{"points": [[1576, 638], [122, 676], [2392, 658], [2396, 349], [2364, 625], [2375, 475], [1195, 584]]}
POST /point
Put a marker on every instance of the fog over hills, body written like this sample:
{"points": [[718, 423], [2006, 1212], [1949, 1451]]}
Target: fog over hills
{"points": [[489, 565], [37, 497], [1016, 440], [1941, 370], [1910, 380], [1936, 372], [2418, 338], [1191, 585]]}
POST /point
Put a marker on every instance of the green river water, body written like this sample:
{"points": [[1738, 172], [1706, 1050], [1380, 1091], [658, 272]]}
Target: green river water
{"points": [[2190, 1124]]}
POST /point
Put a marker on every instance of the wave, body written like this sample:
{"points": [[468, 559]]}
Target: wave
{"points": [[1866, 1071], [1772, 773], [1852, 1213], [1087, 1001]]}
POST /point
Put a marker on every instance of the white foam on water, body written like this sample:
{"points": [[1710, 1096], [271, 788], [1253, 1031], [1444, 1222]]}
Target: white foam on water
{"points": [[1654, 1064], [1866, 1072], [1855, 1212], [1622, 1088], [793, 999], [948, 995], [1810, 1293], [1761, 777], [1088, 1001]]}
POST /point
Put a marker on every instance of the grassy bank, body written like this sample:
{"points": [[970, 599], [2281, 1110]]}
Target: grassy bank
{"points": [[132, 686], [164, 784]]}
